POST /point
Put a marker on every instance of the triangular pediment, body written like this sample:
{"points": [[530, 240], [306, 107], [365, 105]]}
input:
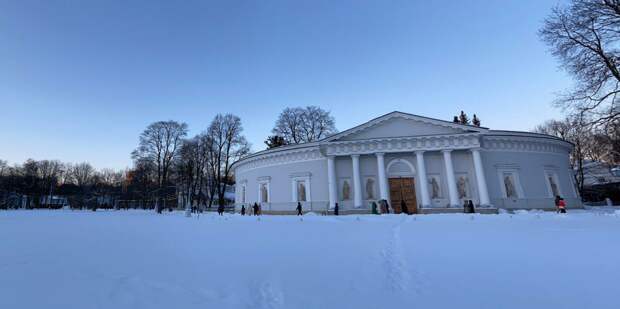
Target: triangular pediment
{"points": [[398, 124]]}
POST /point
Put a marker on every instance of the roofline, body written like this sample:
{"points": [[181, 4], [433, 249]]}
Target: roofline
{"points": [[450, 123], [480, 130], [276, 150], [524, 133]]}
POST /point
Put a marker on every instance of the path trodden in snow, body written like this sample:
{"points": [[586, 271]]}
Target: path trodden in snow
{"points": [[135, 259]]}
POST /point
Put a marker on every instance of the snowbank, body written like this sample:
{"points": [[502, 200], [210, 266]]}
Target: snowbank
{"points": [[134, 259]]}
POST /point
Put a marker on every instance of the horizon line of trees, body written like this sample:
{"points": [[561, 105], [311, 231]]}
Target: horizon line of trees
{"points": [[170, 169]]}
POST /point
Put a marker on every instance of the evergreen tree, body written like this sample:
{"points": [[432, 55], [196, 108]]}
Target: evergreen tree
{"points": [[475, 121], [456, 119], [463, 119], [274, 141]]}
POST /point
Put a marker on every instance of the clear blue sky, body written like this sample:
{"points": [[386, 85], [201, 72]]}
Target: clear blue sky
{"points": [[79, 80]]}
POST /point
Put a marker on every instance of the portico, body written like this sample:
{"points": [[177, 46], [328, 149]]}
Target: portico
{"points": [[416, 146]]}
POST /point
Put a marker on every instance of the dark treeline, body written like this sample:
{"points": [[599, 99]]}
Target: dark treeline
{"points": [[170, 170], [54, 184]]}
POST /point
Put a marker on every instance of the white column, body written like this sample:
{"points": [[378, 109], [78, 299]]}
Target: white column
{"points": [[426, 200], [357, 183], [383, 184], [483, 192], [331, 181], [452, 191]]}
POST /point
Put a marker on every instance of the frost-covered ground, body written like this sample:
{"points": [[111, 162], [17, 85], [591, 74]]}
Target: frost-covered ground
{"points": [[120, 259]]}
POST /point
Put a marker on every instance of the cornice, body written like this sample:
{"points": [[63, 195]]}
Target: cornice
{"points": [[280, 157], [463, 141], [526, 143], [402, 144]]}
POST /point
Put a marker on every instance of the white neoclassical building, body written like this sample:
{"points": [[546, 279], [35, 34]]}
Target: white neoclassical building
{"points": [[432, 165]]}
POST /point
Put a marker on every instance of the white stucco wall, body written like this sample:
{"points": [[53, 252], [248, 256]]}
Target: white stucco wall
{"points": [[280, 185], [531, 168], [528, 156]]}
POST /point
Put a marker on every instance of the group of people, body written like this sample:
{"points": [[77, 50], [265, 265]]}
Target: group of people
{"points": [[384, 207], [256, 210]]}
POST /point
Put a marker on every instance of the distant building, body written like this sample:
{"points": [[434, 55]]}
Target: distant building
{"points": [[53, 201], [599, 173], [601, 181]]}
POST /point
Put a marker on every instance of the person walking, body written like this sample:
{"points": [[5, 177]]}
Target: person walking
{"points": [[403, 207], [299, 213], [255, 209], [471, 207], [561, 206], [243, 210], [220, 210], [336, 209]]}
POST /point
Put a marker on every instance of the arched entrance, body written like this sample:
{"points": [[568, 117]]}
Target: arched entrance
{"points": [[402, 185]]}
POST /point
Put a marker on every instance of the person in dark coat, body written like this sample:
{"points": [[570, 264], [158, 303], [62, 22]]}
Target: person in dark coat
{"points": [[336, 209], [299, 213], [471, 206], [243, 210], [403, 207], [255, 209], [220, 210]]}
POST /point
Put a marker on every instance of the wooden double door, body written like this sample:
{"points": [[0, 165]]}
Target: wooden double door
{"points": [[403, 189]]}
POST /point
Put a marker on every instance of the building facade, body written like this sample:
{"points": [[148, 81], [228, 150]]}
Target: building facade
{"points": [[429, 164]]}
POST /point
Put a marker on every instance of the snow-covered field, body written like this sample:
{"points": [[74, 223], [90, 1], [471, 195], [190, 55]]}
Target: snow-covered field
{"points": [[135, 259]]}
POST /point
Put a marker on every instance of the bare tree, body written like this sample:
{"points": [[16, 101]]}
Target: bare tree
{"points": [[192, 169], [584, 35], [228, 146], [109, 176], [573, 130], [82, 174], [301, 125], [159, 143]]}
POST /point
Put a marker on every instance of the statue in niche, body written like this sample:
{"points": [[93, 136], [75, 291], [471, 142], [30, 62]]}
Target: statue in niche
{"points": [[301, 191], [461, 186], [370, 189], [264, 195], [346, 191], [434, 188], [510, 187]]}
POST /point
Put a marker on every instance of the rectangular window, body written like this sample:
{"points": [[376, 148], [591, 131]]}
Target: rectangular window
{"points": [[264, 192], [301, 191], [553, 185], [510, 183]]}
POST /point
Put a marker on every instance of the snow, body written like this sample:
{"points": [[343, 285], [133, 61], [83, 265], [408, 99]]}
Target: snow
{"points": [[138, 259]]}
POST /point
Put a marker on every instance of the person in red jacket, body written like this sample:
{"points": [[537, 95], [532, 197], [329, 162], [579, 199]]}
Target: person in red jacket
{"points": [[561, 206]]}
